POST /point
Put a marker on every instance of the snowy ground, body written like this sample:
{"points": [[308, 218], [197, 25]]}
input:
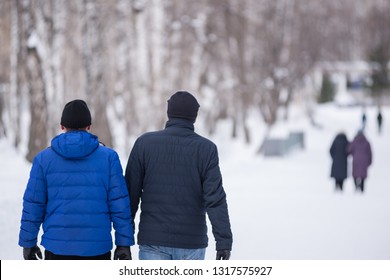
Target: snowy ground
{"points": [[280, 208]]}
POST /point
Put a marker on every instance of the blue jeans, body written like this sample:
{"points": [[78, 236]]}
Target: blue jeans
{"points": [[150, 252]]}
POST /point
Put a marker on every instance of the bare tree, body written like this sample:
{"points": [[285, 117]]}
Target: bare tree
{"points": [[35, 80], [18, 90], [378, 51], [127, 57], [226, 65], [93, 60], [54, 14], [5, 38]]}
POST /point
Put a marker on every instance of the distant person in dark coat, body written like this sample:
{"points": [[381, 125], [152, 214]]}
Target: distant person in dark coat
{"points": [[360, 150], [364, 120], [379, 119], [175, 174], [338, 152]]}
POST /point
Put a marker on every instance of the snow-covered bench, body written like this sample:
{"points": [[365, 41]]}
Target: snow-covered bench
{"points": [[280, 146]]}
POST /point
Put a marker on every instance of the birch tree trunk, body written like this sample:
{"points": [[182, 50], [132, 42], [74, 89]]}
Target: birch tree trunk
{"points": [[5, 39], [17, 80], [36, 83], [93, 59], [55, 17]]}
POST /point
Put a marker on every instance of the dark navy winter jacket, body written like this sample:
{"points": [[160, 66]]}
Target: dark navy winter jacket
{"points": [[339, 154], [175, 173], [76, 191]]}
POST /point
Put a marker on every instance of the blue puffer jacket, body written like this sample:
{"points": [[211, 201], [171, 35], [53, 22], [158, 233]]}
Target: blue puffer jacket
{"points": [[175, 173], [76, 191]]}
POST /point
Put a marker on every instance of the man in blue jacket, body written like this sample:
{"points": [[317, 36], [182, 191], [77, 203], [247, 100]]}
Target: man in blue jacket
{"points": [[76, 191], [175, 174]]}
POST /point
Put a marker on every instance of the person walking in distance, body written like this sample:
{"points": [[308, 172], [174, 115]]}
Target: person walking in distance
{"points": [[174, 175], [360, 150], [76, 190], [379, 119], [338, 152], [364, 119]]}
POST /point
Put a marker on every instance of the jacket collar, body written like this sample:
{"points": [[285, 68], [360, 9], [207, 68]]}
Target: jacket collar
{"points": [[178, 122]]}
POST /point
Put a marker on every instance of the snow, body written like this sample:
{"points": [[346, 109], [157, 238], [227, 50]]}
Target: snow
{"points": [[281, 208]]}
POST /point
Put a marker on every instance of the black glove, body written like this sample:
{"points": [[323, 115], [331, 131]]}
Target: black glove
{"points": [[122, 253], [223, 254], [33, 253]]}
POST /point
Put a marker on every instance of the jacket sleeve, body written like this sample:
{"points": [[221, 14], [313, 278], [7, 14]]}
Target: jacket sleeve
{"points": [[34, 206], [215, 202], [119, 204], [134, 178]]}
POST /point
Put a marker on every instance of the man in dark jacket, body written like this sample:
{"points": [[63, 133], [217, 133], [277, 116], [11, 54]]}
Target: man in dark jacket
{"points": [[76, 191], [338, 152], [175, 173]]}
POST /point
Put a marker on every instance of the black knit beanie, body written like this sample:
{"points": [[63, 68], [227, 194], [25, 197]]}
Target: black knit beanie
{"points": [[183, 105], [76, 114]]}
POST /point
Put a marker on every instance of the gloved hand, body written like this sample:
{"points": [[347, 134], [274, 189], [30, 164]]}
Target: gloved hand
{"points": [[122, 253], [33, 253], [223, 254]]}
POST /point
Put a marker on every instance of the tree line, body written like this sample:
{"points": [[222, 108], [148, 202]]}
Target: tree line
{"points": [[126, 57]]}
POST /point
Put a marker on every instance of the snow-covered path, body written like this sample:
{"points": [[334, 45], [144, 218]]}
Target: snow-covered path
{"points": [[280, 208]]}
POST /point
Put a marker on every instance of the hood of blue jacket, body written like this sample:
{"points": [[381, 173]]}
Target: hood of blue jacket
{"points": [[75, 144]]}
